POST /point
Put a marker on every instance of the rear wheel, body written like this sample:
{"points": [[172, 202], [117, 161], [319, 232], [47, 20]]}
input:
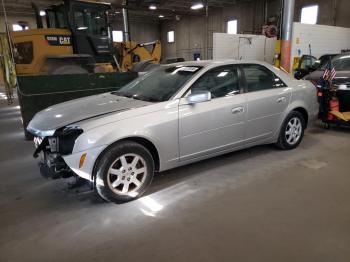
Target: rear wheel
{"points": [[124, 172], [292, 131]]}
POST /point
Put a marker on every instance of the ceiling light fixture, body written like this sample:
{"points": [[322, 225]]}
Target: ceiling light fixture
{"points": [[197, 6], [153, 7], [42, 13], [161, 16]]}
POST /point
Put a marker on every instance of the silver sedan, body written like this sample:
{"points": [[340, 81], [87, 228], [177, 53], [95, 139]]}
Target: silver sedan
{"points": [[172, 116]]}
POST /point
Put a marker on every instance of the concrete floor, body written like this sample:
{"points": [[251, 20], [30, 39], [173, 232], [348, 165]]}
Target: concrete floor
{"points": [[260, 204]]}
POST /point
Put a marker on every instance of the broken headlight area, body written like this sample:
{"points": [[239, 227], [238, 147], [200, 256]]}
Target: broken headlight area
{"points": [[51, 149], [66, 139], [53, 166]]}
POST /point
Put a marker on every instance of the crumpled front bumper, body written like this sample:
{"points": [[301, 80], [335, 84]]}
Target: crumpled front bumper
{"points": [[85, 171]]}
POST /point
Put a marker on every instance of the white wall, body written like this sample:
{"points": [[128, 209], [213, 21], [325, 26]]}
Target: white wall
{"points": [[323, 39], [243, 46]]}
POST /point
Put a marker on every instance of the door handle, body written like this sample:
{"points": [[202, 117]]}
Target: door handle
{"points": [[237, 110], [281, 99]]}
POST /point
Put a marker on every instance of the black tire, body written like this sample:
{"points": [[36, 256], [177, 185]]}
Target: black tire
{"points": [[108, 158], [282, 142], [326, 126]]}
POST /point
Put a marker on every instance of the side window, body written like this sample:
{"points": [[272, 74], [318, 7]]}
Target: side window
{"points": [[220, 82], [51, 19], [259, 78], [61, 17], [79, 21], [23, 53], [307, 62], [278, 82]]}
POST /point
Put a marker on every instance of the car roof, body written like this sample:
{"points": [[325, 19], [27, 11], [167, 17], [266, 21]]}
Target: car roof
{"points": [[328, 55], [214, 63], [206, 63], [347, 55]]}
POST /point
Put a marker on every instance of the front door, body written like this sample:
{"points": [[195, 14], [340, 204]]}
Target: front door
{"points": [[214, 125]]}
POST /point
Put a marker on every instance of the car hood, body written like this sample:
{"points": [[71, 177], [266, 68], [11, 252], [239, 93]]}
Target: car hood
{"points": [[50, 119]]}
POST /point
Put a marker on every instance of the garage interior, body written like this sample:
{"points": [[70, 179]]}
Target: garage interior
{"points": [[257, 204]]}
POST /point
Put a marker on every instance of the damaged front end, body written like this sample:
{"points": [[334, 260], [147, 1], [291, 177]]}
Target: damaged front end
{"points": [[52, 148]]}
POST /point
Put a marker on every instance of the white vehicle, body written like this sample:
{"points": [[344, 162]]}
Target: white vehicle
{"points": [[172, 116]]}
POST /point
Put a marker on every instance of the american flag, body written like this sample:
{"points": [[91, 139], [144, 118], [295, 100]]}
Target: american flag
{"points": [[329, 72]]}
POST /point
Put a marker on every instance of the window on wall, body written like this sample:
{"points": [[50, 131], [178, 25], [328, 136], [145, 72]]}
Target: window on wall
{"points": [[117, 36], [232, 27], [16, 27], [309, 14], [171, 37]]}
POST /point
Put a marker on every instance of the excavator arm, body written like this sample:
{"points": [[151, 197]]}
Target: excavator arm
{"points": [[133, 53]]}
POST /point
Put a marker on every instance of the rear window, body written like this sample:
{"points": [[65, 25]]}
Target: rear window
{"points": [[23, 53], [342, 64]]}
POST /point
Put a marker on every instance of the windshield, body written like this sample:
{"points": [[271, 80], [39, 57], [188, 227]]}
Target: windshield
{"points": [[340, 63], [158, 85], [91, 21]]}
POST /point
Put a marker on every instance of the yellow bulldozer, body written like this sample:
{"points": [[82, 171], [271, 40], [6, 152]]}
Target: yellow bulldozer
{"points": [[78, 39]]}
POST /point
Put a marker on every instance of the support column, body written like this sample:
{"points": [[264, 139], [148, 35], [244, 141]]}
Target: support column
{"points": [[288, 17], [125, 12]]}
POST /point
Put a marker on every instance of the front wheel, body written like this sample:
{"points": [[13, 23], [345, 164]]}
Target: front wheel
{"points": [[124, 172], [292, 131]]}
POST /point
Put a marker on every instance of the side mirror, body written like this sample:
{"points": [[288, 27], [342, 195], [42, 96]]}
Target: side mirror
{"points": [[298, 75], [199, 97]]}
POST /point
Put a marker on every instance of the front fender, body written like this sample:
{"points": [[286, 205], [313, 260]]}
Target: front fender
{"points": [[160, 128], [73, 161]]}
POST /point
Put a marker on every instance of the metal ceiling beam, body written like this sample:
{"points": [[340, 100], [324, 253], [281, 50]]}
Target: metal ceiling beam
{"points": [[165, 7]]}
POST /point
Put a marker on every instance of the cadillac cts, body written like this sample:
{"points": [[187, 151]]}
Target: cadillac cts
{"points": [[172, 116]]}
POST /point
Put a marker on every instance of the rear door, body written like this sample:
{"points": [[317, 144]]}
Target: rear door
{"points": [[215, 125], [267, 98]]}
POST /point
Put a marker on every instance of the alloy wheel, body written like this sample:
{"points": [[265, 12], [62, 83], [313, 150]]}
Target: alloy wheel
{"points": [[127, 174], [293, 131]]}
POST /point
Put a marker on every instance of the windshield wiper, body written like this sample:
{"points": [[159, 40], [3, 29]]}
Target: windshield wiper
{"points": [[122, 94], [136, 97], [143, 98]]}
